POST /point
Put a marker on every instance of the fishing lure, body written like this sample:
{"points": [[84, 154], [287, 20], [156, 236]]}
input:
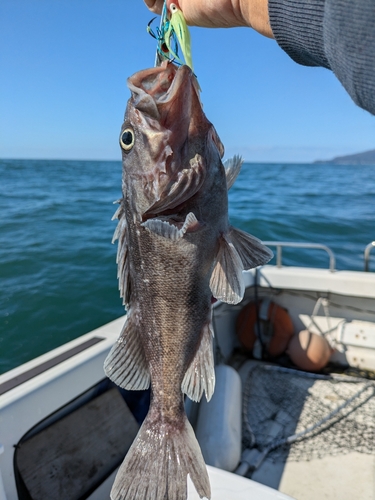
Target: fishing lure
{"points": [[178, 27], [172, 33]]}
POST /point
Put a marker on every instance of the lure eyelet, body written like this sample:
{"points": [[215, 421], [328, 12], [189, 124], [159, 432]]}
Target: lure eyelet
{"points": [[127, 139]]}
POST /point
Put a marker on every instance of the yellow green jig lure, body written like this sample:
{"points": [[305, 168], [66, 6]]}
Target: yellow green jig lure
{"points": [[172, 30], [178, 26]]}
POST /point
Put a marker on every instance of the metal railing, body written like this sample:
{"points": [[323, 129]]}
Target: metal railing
{"points": [[280, 244], [366, 255]]}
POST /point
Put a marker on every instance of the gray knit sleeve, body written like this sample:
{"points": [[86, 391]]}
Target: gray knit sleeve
{"points": [[297, 26], [335, 34]]}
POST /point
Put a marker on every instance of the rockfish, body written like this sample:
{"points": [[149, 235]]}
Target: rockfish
{"points": [[176, 251]]}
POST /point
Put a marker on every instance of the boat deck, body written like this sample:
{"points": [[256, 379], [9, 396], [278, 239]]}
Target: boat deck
{"points": [[35, 395]]}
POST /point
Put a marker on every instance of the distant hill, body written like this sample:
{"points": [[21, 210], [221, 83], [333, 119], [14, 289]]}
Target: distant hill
{"points": [[366, 158]]}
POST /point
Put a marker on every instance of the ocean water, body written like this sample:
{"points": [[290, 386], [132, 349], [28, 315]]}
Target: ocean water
{"points": [[57, 263]]}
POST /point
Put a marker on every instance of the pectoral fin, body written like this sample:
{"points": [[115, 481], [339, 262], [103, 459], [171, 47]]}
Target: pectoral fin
{"points": [[126, 363], [188, 183], [232, 169], [200, 376], [226, 280], [251, 250]]}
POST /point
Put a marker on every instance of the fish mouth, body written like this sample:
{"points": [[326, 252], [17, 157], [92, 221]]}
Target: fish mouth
{"points": [[160, 82], [166, 93], [167, 104], [183, 79]]}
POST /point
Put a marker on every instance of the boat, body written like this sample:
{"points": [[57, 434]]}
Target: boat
{"points": [[272, 430]]}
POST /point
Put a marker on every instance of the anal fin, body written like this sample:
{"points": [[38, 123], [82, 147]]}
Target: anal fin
{"points": [[200, 376], [126, 363]]}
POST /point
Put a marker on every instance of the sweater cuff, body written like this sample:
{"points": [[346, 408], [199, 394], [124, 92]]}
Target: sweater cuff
{"points": [[297, 26]]}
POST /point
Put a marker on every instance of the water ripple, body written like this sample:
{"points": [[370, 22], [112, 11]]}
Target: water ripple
{"points": [[57, 264]]}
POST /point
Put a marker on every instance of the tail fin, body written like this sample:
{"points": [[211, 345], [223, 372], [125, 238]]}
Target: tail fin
{"points": [[157, 464]]}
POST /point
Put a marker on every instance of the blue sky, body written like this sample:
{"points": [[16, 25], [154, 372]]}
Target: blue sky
{"points": [[64, 66]]}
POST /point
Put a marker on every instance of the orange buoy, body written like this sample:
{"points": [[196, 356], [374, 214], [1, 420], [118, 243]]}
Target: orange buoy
{"points": [[309, 351], [275, 324]]}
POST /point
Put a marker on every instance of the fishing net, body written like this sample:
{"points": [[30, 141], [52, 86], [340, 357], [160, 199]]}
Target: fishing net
{"points": [[301, 416]]}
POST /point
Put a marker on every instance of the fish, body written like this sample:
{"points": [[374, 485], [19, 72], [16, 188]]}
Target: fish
{"points": [[177, 253]]}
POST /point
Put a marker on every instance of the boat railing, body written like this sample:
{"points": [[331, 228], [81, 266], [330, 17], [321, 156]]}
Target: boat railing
{"points": [[366, 255], [317, 246]]}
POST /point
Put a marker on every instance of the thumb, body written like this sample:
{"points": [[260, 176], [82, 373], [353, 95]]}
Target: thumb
{"points": [[154, 5]]}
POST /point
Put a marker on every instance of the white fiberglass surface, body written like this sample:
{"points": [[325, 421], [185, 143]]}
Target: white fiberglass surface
{"points": [[228, 486]]}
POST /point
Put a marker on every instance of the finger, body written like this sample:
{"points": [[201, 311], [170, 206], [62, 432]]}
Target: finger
{"points": [[210, 13], [154, 5]]}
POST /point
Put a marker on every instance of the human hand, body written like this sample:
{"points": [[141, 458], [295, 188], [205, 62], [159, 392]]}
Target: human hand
{"points": [[221, 13]]}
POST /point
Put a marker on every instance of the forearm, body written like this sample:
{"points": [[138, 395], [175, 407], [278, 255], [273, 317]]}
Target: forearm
{"points": [[221, 13], [298, 29], [335, 34], [255, 12]]}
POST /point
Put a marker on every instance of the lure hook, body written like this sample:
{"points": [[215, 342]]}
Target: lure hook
{"points": [[149, 30], [160, 53]]}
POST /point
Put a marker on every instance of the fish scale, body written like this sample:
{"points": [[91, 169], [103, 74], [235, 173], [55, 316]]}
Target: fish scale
{"points": [[166, 302]]}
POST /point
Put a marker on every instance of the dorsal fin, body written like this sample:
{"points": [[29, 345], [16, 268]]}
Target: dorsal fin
{"points": [[122, 260], [126, 363]]}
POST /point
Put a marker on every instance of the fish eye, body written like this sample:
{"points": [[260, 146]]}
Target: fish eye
{"points": [[127, 139]]}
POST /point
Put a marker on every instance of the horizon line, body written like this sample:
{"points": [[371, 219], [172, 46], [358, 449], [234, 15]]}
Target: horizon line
{"points": [[270, 162]]}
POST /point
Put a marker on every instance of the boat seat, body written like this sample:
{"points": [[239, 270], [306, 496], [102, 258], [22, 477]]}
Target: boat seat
{"points": [[69, 457]]}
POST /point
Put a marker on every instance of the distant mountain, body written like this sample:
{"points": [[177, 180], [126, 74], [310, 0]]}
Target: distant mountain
{"points": [[366, 158]]}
